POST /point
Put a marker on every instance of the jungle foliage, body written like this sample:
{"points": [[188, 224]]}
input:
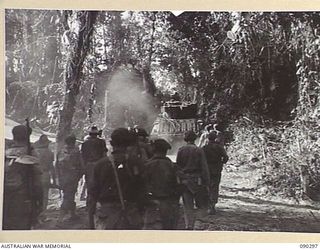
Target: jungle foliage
{"points": [[259, 65]]}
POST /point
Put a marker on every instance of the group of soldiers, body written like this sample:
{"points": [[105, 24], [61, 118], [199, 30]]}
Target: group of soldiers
{"points": [[135, 186]]}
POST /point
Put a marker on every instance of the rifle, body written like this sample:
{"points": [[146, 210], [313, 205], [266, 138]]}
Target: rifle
{"points": [[123, 207], [92, 203], [120, 193]]}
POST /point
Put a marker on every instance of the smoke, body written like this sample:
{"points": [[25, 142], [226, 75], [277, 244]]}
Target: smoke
{"points": [[127, 102]]}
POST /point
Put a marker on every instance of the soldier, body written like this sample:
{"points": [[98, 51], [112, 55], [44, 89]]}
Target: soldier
{"points": [[22, 183], [92, 150], [204, 136], [162, 211], [143, 142], [194, 175], [138, 147], [113, 188], [216, 156], [71, 168], [46, 158], [137, 157]]}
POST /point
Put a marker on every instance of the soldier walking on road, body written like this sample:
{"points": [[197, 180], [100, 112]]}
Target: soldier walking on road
{"points": [[71, 168], [162, 211], [22, 182], [204, 136], [113, 188], [136, 158], [46, 158], [143, 142], [92, 150], [194, 175], [216, 156]]}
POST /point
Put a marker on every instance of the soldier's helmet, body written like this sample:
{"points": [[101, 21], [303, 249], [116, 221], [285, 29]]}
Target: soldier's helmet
{"points": [[94, 130], [43, 141], [21, 133], [161, 145], [190, 136], [70, 140], [121, 137]]}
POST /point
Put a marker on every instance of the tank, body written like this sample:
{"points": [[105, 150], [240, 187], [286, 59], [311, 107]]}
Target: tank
{"points": [[174, 120]]}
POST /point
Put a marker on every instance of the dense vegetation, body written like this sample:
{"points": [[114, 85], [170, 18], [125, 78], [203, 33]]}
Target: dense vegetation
{"points": [[255, 73]]}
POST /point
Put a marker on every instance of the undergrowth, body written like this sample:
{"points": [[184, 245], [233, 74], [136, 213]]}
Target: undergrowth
{"points": [[286, 152]]}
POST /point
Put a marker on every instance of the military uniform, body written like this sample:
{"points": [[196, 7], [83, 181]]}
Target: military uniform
{"points": [[194, 175], [22, 185], [216, 156], [92, 150], [105, 203], [147, 148], [137, 157], [70, 167], [115, 187], [46, 158], [162, 211]]}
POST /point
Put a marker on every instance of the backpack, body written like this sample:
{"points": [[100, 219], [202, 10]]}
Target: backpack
{"points": [[18, 169]]}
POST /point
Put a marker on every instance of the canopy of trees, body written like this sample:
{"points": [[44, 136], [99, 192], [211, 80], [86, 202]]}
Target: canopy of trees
{"points": [[261, 65]]}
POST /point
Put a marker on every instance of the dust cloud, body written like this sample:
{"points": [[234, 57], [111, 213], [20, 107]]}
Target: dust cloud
{"points": [[127, 102]]}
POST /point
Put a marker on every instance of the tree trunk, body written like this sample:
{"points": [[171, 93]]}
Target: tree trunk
{"points": [[147, 79], [73, 68], [148, 82]]}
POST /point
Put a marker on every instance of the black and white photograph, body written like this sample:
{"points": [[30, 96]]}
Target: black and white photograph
{"points": [[162, 120]]}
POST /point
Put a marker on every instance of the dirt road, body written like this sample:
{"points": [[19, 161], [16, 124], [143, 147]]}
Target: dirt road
{"points": [[240, 208]]}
